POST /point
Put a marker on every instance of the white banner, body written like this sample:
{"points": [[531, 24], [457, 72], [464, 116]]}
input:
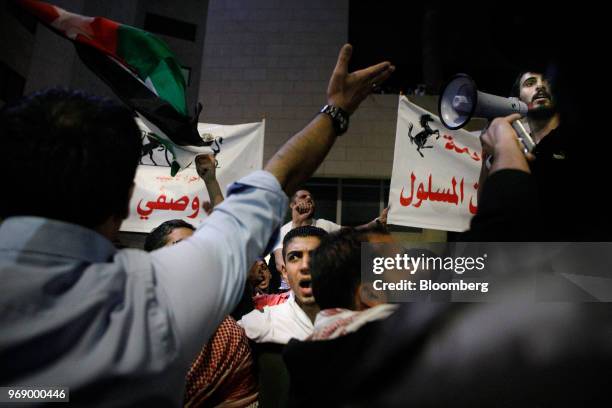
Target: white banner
{"points": [[435, 172], [159, 197]]}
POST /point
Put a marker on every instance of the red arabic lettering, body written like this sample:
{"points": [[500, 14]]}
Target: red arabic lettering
{"points": [[405, 201], [448, 195], [144, 214], [450, 145], [195, 205], [162, 204], [474, 208]]}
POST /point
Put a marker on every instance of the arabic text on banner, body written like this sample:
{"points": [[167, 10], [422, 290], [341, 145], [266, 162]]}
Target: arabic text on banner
{"points": [[435, 172], [159, 197]]}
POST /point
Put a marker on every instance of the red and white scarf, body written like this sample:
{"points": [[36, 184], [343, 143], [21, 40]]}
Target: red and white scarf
{"points": [[332, 323]]}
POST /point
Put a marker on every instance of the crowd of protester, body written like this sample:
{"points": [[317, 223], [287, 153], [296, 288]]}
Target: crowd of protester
{"points": [[200, 317]]}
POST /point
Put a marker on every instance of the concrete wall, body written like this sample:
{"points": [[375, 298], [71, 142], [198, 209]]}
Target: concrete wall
{"points": [[272, 59], [188, 53]]}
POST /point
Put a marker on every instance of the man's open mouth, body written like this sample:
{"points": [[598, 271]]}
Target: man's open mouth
{"points": [[541, 96], [306, 283]]}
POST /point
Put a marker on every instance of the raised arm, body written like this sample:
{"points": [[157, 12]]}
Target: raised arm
{"points": [[202, 277], [295, 162], [206, 167]]}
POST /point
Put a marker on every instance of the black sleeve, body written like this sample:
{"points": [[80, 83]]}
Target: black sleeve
{"points": [[507, 210]]}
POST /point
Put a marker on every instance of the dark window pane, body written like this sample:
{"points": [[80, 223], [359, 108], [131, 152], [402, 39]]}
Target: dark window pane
{"points": [[170, 26], [11, 84], [325, 193], [360, 201], [386, 189], [401, 228], [25, 18]]}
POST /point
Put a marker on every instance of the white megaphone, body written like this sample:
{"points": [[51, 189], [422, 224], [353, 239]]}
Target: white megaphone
{"points": [[460, 101]]}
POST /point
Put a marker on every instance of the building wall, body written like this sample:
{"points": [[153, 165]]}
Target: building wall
{"points": [[272, 59], [81, 77], [188, 53]]}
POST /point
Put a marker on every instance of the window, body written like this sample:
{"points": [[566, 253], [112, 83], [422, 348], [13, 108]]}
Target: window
{"points": [[11, 83], [361, 201], [325, 194], [25, 18], [170, 27], [350, 202]]}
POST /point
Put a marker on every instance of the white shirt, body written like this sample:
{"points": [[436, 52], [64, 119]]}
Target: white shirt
{"points": [[125, 325], [326, 225], [277, 324]]}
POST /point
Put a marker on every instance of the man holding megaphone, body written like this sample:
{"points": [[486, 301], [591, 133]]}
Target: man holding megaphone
{"points": [[539, 138], [461, 101], [551, 168], [540, 119], [548, 159]]}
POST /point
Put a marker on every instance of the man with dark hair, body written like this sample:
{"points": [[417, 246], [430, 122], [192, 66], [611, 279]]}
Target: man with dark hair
{"points": [[336, 267], [295, 317], [169, 232], [122, 327], [346, 305], [346, 302], [260, 276], [80, 150], [551, 165], [303, 208], [534, 89]]}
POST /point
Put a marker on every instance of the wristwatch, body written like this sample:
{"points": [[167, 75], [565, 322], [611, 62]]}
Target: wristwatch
{"points": [[339, 117]]}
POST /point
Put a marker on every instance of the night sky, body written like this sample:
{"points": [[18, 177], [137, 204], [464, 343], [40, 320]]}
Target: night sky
{"points": [[429, 42]]}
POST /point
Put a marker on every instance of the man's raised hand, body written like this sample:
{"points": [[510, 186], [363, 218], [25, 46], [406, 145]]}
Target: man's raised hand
{"points": [[347, 90]]}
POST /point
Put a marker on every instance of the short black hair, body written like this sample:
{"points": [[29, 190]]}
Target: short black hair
{"points": [[335, 267], [69, 156], [305, 231], [158, 238]]}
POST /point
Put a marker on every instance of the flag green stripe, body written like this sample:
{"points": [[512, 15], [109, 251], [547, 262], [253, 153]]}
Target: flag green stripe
{"points": [[153, 59], [166, 86]]}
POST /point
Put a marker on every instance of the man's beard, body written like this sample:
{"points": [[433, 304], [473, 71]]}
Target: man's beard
{"points": [[542, 112]]}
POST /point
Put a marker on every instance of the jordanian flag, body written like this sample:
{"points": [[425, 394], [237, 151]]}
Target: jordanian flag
{"points": [[140, 69]]}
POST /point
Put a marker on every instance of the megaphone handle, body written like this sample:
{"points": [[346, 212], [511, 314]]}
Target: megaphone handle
{"points": [[524, 136]]}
